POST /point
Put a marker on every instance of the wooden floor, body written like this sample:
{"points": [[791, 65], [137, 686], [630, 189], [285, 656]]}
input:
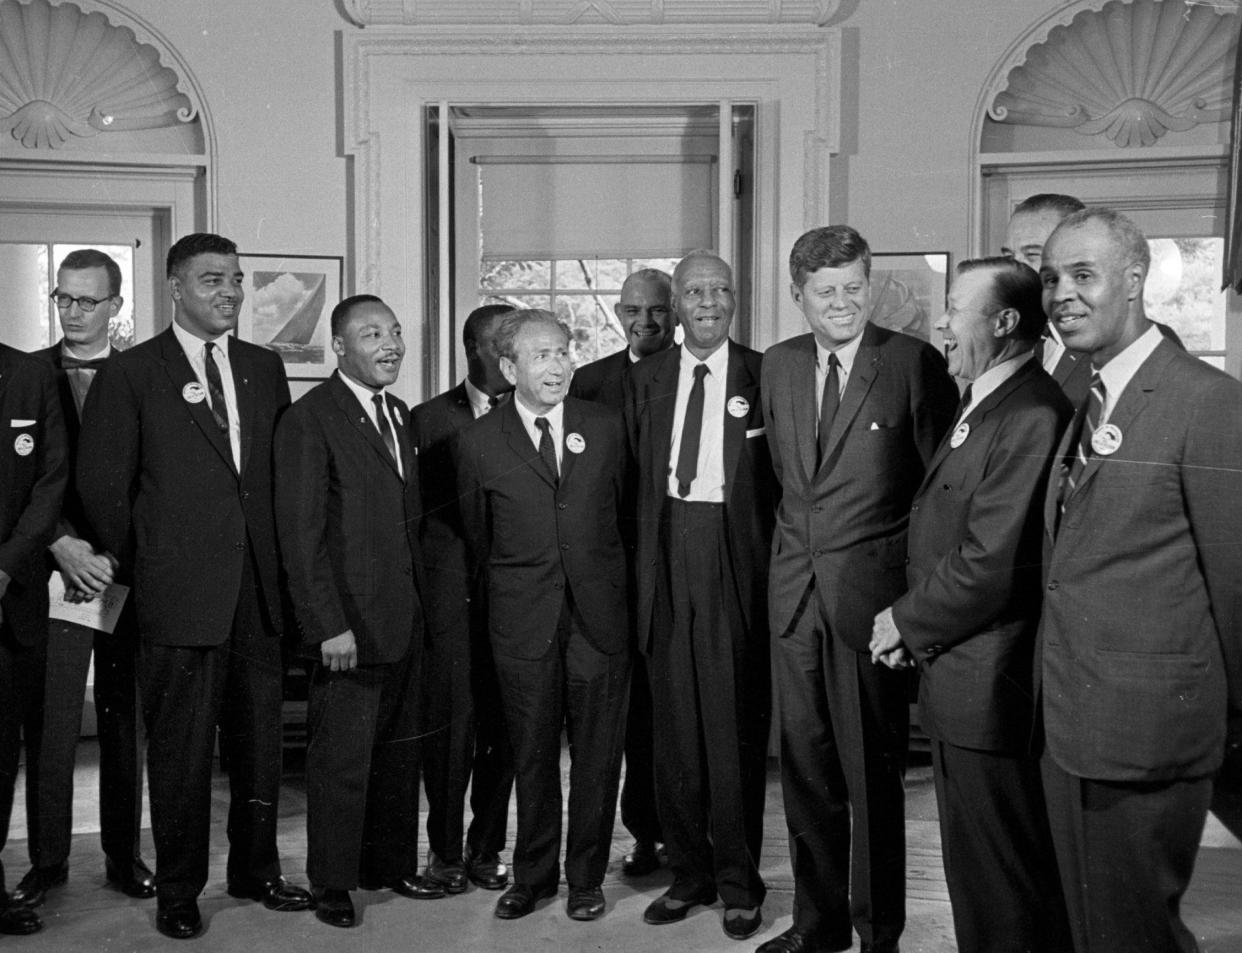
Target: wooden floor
{"points": [[86, 915]]}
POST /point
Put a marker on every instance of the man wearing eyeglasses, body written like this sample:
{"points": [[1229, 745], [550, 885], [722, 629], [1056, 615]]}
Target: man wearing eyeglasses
{"points": [[87, 298]]}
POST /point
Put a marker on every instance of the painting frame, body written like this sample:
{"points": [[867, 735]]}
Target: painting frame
{"points": [[909, 290], [289, 299]]}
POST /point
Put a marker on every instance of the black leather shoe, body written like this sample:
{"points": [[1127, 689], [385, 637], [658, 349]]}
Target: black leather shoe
{"points": [[417, 888], [642, 860], [520, 900], [450, 876], [585, 903], [32, 889], [742, 924], [794, 940], [19, 921], [276, 894], [485, 869], [334, 907], [887, 946], [178, 919], [667, 909], [134, 879]]}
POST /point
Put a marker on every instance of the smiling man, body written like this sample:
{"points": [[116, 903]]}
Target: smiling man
{"points": [[970, 615], [347, 510], [1142, 607], [854, 414], [705, 506], [175, 474], [541, 481]]}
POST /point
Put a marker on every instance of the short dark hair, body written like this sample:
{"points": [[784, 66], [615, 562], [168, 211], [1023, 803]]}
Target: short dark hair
{"points": [[479, 317], [830, 246], [84, 258], [1121, 229], [1015, 284], [1050, 202], [340, 314], [513, 323], [199, 243]]}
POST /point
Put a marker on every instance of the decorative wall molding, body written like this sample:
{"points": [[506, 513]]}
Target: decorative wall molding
{"points": [[584, 12], [1133, 70]]}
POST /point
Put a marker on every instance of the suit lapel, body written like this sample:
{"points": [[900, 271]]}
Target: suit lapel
{"points": [[242, 376], [738, 384], [177, 367], [799, 385], [402, 435], [360, 418], [571, 422], [662, 404], [862, 375], [520, 443], [1065, 365]]}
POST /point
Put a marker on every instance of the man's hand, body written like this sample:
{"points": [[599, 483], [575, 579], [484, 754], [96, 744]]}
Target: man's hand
{"points": [[886, 645], [82, 567], [340, 653]]}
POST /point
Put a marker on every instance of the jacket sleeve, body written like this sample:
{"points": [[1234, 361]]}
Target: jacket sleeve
{"points": [[108, 458]]}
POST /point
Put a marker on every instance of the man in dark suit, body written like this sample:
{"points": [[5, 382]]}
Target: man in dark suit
{"points": [[541, 482], [646, 314], [464, 739], [175, 475], [970, 615], [1141, 653], [34, 467], [705, 509], [88, 296], [347, 506], [854, 413]]}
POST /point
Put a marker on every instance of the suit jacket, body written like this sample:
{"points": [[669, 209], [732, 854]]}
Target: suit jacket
{"points": [[1141, 633], [533, 537], [976, 536], [450, 585], [603, 381], [750, 486], [348, 524], [843, 523], [158, 484], [34, 466], [1073, 373], [72, 520]]}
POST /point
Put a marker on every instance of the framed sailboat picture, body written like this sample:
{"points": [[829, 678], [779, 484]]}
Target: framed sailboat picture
{"points": [[289, 299]]}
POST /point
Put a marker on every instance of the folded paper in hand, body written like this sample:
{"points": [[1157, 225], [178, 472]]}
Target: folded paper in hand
{"points": [[100, 613]]}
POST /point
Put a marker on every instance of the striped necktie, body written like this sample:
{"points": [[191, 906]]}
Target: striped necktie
{"points": [[1092, 411]]}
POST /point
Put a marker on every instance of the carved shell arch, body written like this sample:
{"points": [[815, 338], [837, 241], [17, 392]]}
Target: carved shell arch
{"points": [[67, 72], [1133, 71]]}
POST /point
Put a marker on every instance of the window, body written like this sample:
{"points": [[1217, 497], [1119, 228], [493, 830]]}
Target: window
{"points": [[1183, 291], [581, 292], [32, 269]]}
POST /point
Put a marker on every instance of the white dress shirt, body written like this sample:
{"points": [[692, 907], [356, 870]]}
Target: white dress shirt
{"points": [[480, 403], [708, 485], [992, 378], [556, 425], [194, 352], [366, 397], [845, 358]]}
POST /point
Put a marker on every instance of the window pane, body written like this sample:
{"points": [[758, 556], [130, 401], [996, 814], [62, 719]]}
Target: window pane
{"points": [[592, 325], [519, 302], [1183, 290], [27, 286], [516, 274], [121, 327], [663, 264]]}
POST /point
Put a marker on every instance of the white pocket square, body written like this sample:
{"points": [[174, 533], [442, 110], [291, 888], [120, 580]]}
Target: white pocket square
{"points": [[874, 425], [759, 432], [22, 423]]}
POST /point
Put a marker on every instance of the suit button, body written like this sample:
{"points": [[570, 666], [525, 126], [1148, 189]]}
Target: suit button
{"points": [[239, 546], [564, 545], [1052, 586], [817, 553], [914, 508], [817, 508], [562, 506], [907, 560], [947, 487], [558, 585]]}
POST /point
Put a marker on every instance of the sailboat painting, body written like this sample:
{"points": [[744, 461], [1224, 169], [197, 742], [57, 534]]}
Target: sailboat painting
{"points": [[288, 303]]}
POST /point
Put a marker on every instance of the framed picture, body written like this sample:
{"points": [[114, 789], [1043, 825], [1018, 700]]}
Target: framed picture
{"points": [[908, 290], [288, 301]]}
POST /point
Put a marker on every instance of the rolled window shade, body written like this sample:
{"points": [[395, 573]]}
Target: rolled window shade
{"points": [[595, 206]]}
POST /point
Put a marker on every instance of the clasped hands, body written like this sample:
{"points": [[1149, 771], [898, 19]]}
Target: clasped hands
{"points": [[87, 573], [886, 645]]}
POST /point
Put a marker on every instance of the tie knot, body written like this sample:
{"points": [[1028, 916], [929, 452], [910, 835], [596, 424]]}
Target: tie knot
{"points": [[542, 424], [832, 360], [700, 371], [493, 401], [378, 401], [208, 346]]}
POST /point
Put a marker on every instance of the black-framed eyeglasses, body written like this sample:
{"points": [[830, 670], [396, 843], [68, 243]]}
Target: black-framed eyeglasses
{"points": [[87, 305]]}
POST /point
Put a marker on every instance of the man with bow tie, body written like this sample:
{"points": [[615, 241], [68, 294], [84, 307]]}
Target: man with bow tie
{"points": [[87, 297], [542, 480]]}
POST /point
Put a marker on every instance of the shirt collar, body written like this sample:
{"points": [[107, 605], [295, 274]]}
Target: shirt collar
{"points": [[193, 345], [845, 354], [555, 415], [364, 394], [1116, 374], [480, 401], [717, 363], [993, 377], [106, 352]]}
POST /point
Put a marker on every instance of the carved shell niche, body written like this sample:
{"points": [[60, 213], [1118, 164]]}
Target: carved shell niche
{"points": [[1129, 71], [67, 73]]}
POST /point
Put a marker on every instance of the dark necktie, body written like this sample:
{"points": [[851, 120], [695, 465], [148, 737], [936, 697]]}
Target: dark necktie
{"points": [[547, 452], [492, 402], [385, 428], [962, 406], [828, 404], [74, 363], [691, 432], [1093, 409], [215, 389]]}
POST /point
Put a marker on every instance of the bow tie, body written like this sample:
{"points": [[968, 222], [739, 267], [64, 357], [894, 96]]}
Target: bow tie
{"points": [[72, 363]]}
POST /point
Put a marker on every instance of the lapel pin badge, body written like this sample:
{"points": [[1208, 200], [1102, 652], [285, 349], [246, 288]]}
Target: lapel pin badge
{"points": [[1106, 440], [24, 445], [959, 435], [193, 393], [738, 406], [574, 443]]}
